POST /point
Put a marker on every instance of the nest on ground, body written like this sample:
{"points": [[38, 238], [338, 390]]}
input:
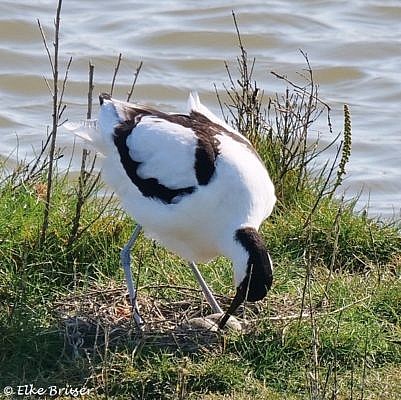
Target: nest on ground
{"points": [[100, 317]]}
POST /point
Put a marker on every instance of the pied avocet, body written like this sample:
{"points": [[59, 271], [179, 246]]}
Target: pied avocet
{"points": [[193, 183]]}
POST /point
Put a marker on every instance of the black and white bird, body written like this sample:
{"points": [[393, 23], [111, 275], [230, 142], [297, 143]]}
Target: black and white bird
{"points": [[193, 183]]}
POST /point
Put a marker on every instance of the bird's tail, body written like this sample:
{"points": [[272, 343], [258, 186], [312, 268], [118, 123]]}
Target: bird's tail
{"points": [[85, 129], [194, 104]]}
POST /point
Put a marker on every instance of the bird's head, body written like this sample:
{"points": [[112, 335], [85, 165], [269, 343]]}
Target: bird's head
{"points": [[253, 270]]}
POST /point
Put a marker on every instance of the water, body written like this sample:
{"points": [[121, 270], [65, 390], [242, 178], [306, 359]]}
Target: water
{"points": [[353, 46]]}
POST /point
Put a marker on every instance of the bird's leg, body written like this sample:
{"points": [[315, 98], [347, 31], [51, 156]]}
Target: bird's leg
{"points": [[205, 289], [126, 263]]}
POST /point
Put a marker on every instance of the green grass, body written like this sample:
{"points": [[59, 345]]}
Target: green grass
{"points": [[351, 345]]}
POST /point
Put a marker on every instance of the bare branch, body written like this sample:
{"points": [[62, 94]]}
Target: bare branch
{"points": [[300, 88], [61, 106], [138, 69], [86, 184], [90, 90], [46, 46], [115, 74], [54, 66]]}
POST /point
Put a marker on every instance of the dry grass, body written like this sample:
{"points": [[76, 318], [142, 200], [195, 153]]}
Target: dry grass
{"points": [[101, 317]]}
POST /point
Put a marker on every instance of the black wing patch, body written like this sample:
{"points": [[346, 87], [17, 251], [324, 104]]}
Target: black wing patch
{"points": [[206, 152], [149, 187], [207, 148]]}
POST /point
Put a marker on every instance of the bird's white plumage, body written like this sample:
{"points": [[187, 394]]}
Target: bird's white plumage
{"points": [[85, 130], [172, 163], [201, 225]]}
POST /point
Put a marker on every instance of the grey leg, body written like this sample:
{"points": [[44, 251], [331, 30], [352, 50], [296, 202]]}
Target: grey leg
{"points": [[205, 289], [126, 263]]}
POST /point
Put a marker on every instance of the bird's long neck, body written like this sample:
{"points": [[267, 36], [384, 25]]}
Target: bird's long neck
{"points": [[257, 274]]}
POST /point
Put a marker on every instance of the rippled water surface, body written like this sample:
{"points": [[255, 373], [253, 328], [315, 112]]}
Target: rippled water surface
{"points": [[354, 47]]}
